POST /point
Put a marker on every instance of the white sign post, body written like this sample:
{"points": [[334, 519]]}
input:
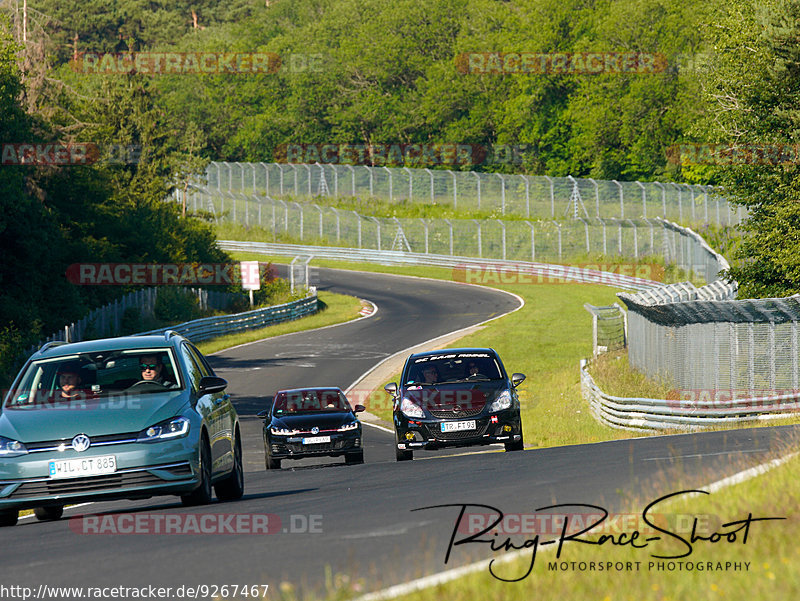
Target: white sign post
{"points": [[250, 278]]}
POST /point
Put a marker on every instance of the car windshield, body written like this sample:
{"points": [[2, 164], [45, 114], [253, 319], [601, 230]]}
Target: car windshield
{"points": [[453, 368], [308, 401], [86, 376]]}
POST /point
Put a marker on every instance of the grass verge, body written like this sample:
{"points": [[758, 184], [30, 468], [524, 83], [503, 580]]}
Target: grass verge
{"points": [[760, 565], [334, 308]]}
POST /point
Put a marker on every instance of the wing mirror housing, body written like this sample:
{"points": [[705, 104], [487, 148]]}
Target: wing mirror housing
{"points": [[212, 384]]}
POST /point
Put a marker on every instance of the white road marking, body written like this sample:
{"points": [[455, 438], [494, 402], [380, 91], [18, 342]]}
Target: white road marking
{"points": [[704, 454], [449, 575]]}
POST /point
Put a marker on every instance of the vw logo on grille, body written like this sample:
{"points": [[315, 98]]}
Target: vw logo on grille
{"points": [[81, 442], [456, 409], [315, 430]]}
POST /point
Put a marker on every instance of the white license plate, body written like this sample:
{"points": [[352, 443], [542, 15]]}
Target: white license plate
{"points": [[458, 426], [316, 439], [90, 466]]}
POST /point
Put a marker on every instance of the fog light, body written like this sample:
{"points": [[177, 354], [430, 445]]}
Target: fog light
{"points": [[409, 436], [506, 428]]}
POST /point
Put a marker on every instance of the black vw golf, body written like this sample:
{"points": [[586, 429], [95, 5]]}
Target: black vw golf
{"points": [[311, 422], [455, 397]]}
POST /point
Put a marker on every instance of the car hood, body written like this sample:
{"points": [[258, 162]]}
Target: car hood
{"points": [[93, 418], [465, 395], [306, 421]]}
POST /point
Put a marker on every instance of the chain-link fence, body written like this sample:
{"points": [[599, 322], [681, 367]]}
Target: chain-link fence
{"points": [[608, 328], [518, 240], [530, 196], [712, 349]]}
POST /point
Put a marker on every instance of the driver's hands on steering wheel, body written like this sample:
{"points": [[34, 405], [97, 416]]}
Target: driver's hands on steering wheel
{"points": [[144, 384]]}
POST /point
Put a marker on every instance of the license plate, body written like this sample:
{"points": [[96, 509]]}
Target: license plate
{"points": [[316, 439], [90, 466], [458, 426]]}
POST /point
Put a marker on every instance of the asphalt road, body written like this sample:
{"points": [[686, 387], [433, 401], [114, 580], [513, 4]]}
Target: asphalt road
{"points": [[359, 520]]}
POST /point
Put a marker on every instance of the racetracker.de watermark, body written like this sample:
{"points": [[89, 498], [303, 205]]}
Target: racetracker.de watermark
{"points": [[176, 63], [196, 523], [167, 274], [734, 154], [560, 63], [601, 273], [409, 155], [65, 154], [556, 524]]}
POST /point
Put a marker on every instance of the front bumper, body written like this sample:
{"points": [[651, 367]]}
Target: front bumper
{"points": [[143, 470], [427, 433], [292, 447]]}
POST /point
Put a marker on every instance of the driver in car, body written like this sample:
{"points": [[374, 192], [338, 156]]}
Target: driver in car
{"points": [[152, 369]]}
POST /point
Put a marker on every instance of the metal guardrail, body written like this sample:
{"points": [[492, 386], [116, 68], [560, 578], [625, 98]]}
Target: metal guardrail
{"points": [[658, 414], [460, 265], [199, 330]]}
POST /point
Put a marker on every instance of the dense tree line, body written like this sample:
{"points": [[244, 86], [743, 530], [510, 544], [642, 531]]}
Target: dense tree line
{"points": [[53, 215], [387, 72]]}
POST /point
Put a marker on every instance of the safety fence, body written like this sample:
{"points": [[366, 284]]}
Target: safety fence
{"points": [[529, 196], [505, 239], [716, 348], [109, 320], [206, 328], [658, 414], [463, 269]]}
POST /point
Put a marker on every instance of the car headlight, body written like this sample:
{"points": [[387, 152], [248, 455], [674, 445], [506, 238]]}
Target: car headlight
{"points": [[411, 409], [282, 431], [503, 401], [172, 428], [348, 427], [11, 448]]}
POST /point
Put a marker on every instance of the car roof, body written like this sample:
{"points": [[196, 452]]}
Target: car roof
{"points": [[107, 344], [310, 389], [454, 350]]}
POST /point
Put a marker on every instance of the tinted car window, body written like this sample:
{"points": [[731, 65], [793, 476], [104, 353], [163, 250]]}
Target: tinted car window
{"points": [[93, 375], [193, 371], [452, 368]]}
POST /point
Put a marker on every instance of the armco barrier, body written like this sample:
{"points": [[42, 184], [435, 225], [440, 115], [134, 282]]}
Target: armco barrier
{"points": [[658, 414], [390, 257], [211, 327]]}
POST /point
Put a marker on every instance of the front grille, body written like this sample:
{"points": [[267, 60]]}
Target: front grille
{"points": [[435, 431], [106, 439], [324, 447], [450, 414], [90, 484]]}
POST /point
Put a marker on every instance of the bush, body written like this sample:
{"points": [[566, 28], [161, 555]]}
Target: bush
{"points": [[175, 306]]}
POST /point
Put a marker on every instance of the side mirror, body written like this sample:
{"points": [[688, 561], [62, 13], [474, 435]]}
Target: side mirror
{"points": [[359, 409], [517, 379], [263, 414], [391, 388], [212, 384]]}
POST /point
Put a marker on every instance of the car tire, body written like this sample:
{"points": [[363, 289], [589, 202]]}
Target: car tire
{"points": [[50, 513], [202, 494], [403, 455], [8, 517], [517, 445], [232, 487], [270, 463], [354, 458]]}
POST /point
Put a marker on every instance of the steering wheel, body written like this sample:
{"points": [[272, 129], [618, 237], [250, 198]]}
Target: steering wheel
{"points": [[477, 376], [145, 385]]}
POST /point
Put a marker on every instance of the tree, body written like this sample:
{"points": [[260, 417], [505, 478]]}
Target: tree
{"points": [[754, 89]]}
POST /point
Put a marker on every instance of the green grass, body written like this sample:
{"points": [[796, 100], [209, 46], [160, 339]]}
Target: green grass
{"points": [[771, 550], [334, 308]]}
